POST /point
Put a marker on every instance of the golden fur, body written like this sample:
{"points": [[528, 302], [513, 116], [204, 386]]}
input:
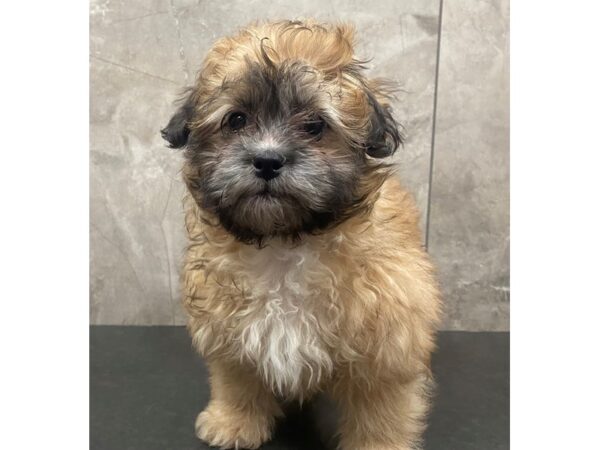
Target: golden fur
{"points": [[350, 310]]}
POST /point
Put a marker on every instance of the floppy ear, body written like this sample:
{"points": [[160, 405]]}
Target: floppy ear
{"points": [[384, 137], [177, 131]]}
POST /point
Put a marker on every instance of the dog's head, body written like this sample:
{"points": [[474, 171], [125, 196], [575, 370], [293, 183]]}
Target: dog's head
{"points": [[283, 133]]}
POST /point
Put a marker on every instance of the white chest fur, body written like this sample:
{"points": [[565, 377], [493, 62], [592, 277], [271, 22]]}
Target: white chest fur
{"points": [[282, 332]]}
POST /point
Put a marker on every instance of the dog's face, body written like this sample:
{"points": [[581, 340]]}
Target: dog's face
{"points": [[283, 135]]}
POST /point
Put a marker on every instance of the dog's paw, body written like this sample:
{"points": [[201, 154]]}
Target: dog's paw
{"points": [[227, 428]]}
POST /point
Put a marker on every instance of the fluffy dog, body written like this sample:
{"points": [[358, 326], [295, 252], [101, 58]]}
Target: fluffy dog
{"points": [[305, 270]]}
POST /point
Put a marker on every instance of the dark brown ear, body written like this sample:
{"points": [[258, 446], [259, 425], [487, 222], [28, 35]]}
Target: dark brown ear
{"points": [[177, 131], [384, 137]]}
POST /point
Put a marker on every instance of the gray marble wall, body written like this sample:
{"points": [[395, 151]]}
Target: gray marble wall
{"points": [[143, 52], [469, 202]]}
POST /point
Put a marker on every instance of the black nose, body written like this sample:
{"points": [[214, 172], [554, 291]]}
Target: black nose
{"points": [[267, 165]]}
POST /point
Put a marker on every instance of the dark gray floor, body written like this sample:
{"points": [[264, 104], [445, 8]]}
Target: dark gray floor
{"points": [[147, 386]]}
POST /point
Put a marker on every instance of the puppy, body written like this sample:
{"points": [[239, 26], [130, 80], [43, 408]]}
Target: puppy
{"points": [[305, 270]]}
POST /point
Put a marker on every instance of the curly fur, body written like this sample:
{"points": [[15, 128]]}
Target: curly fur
{"points": [[325, 287]]}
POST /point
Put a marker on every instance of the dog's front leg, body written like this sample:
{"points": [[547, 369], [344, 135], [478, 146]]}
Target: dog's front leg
{"points": [[382, 414], [241, 412]]}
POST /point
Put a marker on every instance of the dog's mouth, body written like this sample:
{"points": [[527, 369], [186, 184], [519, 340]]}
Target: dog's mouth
{"points": [[265, 197], [263, 193], [267, 193]]}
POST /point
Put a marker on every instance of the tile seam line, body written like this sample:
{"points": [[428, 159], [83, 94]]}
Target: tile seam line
{"points": [[123, 66], [433, 124]]}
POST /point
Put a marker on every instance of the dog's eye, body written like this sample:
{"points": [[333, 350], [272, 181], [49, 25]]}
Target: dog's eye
{"points": [[315, 126], [237, 121]]}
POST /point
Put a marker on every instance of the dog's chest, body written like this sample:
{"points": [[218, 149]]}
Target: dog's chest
{"points": [[282, 333]]}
